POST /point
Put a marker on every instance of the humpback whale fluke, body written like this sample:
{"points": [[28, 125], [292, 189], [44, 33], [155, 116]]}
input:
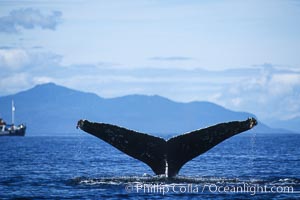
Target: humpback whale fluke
{"points": [[165, 156]]}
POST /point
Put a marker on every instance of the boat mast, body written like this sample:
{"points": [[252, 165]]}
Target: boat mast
{"points": [[13, 112]]}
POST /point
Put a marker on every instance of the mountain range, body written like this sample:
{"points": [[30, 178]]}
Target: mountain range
{"points": [[50, 109]]}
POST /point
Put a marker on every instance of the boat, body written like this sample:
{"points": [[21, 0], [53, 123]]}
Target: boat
{"points": [[12, 129]]}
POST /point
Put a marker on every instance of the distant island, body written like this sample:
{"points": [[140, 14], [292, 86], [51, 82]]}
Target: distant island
{"points": [[50, 109]]}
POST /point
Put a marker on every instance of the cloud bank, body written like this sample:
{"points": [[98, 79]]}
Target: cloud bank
{"points": [[271, 92], [268, 91], [29, 18], [170, 58]]}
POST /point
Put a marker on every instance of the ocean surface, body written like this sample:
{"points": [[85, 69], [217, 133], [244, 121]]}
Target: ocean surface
{"points": [[246, 166]]}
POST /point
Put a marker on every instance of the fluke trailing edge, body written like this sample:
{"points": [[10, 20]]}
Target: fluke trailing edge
{"points": [[165, 157]]}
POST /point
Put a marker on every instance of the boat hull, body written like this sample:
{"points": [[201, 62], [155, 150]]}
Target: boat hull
{"points": [[19, 131]]}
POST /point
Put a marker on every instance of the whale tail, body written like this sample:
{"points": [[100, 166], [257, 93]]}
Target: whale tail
{"points": [[165, 157]]}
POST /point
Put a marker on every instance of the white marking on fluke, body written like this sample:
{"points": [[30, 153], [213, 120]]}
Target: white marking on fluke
{"points": [[166, 169]]}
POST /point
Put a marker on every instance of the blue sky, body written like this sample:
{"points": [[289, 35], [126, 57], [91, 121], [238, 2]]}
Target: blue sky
{"points": [[240, 54]]}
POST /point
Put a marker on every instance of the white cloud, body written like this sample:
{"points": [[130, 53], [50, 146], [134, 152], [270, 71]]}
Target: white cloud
{"points": [[42, 79], [13, 59], [23, 68], [15, 83], [272, 93], [20, 60], [281, 84], [28, 18]]}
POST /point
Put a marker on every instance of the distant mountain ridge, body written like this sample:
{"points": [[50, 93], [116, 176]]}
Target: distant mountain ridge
{"points": [[290, 124], [50, 109]]}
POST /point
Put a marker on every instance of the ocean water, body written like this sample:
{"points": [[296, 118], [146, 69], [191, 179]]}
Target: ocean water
{"points": [[84, 167]]}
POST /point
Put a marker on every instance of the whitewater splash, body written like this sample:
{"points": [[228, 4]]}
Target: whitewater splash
{"points": [[161, 185], [179, 180]]}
